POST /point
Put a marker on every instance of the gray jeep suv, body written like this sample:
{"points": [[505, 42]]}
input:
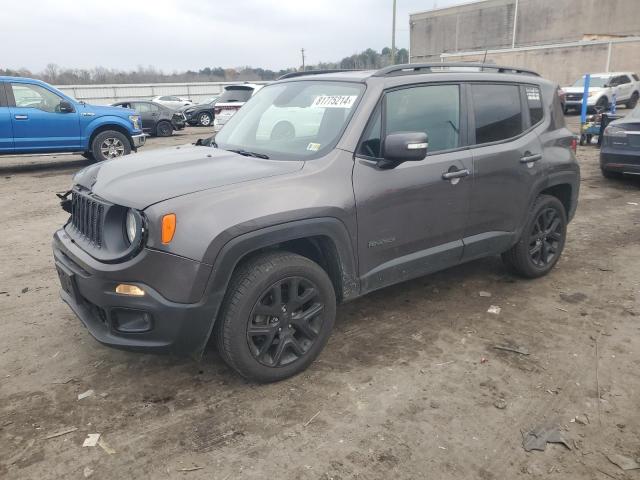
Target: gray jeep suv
{"points": [[322, 188]]}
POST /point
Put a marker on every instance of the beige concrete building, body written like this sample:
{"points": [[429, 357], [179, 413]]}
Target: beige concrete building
{"points": [[561, 39]]}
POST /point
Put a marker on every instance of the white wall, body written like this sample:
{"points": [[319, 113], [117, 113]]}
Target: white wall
{"points": [[107, 94]]}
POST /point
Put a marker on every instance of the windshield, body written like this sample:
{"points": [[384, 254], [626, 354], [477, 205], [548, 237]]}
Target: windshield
{"points": [[235, 95], [598, 82], [293, 120]]}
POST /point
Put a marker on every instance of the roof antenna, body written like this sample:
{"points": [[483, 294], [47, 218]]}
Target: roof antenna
{"points": [[484, 59]]}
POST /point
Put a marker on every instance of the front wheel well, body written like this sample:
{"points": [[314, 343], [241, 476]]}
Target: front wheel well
{"points": [[319, 249], [104, 128], [562, 192]]}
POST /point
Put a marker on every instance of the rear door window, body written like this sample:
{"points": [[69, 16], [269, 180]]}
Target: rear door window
{"points": [[497, 112]]}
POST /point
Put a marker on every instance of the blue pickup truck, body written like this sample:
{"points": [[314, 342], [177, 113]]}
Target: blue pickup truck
{"points": [[37, 118]]}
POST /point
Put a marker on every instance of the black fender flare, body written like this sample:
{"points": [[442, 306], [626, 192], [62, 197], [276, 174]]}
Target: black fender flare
{"points": [[238, 248], [565, 177]]}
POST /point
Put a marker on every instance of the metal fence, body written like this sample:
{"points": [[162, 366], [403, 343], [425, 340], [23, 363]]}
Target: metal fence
{"points": [[106, 94]]}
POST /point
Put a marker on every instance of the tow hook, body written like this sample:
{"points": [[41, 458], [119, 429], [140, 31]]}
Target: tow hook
{"points": [[65, 201]]}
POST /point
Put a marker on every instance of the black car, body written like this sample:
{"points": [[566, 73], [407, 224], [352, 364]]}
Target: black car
{"points": [[200, 114], [620, 152], [157, 120]]}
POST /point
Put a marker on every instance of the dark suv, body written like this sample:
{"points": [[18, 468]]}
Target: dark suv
{"points": [[324, 187]]}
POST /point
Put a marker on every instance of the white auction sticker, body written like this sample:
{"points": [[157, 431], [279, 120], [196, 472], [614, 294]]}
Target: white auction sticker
{"points": [[334, 101], [533, 93]]}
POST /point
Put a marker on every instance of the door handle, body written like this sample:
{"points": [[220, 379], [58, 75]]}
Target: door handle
{"points": [[455, 174], [21, 117], [529, 158]]}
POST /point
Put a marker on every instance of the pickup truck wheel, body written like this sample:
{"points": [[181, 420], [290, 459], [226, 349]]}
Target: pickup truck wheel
{"points": [[110, 144], [542, 239], [633, 101], [164, 129], [276, 317], [205, 119]]}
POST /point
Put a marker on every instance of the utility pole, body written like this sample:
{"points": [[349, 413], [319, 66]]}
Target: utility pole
{"points": [[515, 25], [302, 51], [393, 36]]}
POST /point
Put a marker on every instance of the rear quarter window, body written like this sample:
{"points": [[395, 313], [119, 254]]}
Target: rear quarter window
{"points": [[534, 102]]}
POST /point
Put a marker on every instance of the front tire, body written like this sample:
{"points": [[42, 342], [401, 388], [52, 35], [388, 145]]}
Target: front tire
{"points": [[164, 129], [277, 316], [205, 119], [110, 144], [542, 240]]}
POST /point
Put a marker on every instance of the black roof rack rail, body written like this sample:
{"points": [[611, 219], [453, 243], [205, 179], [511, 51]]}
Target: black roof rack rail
{"points": [[316, 72], [416, 68]]}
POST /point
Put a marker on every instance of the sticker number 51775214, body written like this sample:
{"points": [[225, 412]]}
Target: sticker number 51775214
{"points": [[334, 101]]}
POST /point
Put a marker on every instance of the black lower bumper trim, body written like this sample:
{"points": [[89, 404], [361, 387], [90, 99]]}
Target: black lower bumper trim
{"points": [[181, 328]]}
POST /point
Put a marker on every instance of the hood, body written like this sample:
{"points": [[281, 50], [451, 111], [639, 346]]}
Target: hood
{"points": [[142, 179], [108, 110], [580, 89]]}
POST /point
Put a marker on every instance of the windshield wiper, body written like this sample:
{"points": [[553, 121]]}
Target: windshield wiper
{"points": [[250, 154]]}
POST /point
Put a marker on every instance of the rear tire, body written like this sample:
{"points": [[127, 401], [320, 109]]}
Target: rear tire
{"points": [[164, 129], [542, 240], [266, 333], [110, 144], [633, 101]]}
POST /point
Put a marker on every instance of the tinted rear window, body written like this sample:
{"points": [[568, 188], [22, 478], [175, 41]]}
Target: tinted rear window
{"points": [[498, 112], [235, 95]]}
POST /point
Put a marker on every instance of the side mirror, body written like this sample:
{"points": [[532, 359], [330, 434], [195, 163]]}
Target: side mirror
{"points": [[405, 147], [66, 107]]}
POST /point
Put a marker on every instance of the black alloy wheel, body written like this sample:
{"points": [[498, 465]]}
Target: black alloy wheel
{"points": [[285, 322], [277, 316], [544, 240]]}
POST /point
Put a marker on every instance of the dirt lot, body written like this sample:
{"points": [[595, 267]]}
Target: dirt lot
{"points": [[410, 385]]}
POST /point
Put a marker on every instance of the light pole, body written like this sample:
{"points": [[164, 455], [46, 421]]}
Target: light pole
{"points": [[393, 35]]}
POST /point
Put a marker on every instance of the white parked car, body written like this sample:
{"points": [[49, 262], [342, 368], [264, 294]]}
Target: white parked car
{"points": [[603, 88], [233, 98], [172, 101]]}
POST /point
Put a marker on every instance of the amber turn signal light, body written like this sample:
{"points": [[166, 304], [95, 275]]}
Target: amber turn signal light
{"points": [[131, 290], [168, 227]]}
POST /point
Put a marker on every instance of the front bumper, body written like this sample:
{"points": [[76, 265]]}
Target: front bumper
{"points": [[620, 160], [152, 322], [138, 141]]}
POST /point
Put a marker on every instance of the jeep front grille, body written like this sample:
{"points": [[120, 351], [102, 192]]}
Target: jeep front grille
{"points": [[87, 217]]}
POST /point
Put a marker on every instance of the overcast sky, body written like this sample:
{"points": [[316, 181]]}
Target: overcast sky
{"points": [[177, 35]]}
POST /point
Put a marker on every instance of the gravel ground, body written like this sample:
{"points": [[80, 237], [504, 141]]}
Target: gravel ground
{"points": [[410, 385]]}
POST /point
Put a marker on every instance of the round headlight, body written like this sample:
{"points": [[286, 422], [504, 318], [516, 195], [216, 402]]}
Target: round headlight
{"points": [[131, 226]]}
